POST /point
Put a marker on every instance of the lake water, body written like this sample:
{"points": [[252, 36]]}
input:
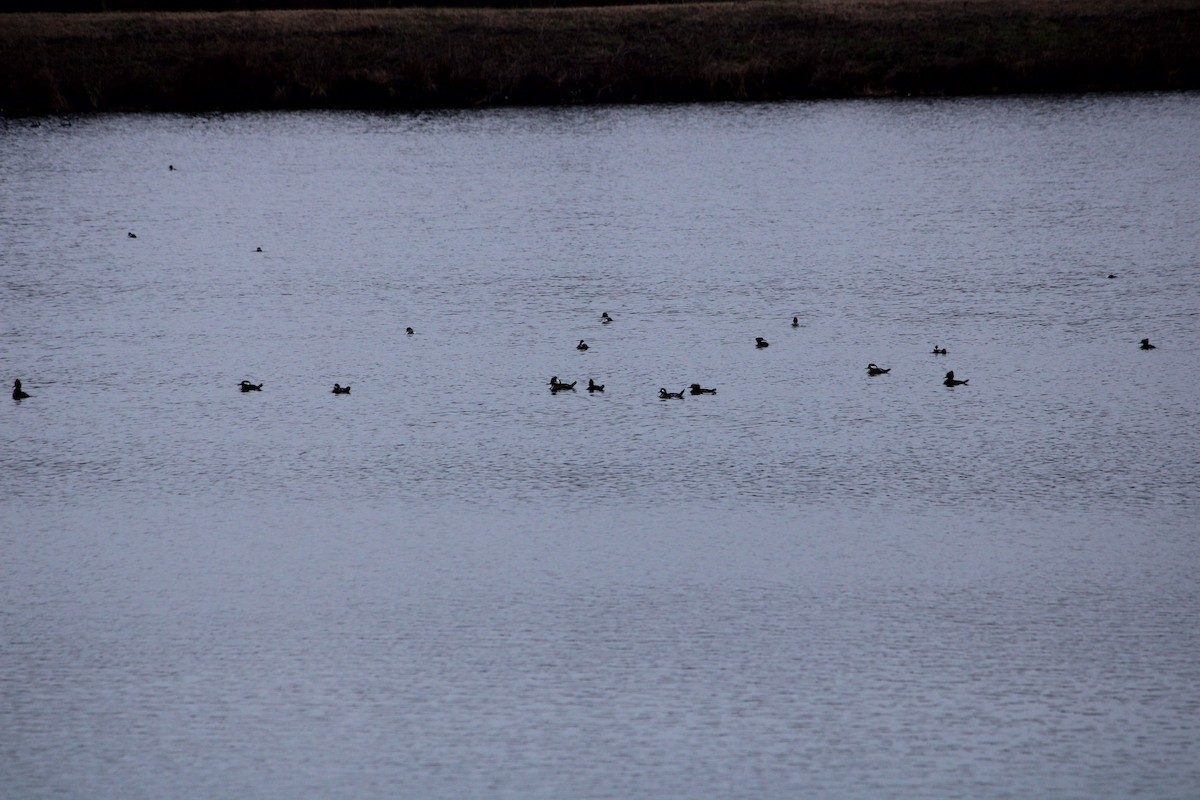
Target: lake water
{"points": [[453, 583]]}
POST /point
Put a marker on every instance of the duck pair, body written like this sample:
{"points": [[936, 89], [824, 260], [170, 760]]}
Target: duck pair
{"points": [[939, 351]]}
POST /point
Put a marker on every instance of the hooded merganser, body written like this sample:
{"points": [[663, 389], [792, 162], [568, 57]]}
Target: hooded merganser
{"points": [[663, 394], [247, 386], [950, 381], [408, 331], [761, 342], [18, 393], [582, 345], [132, 235], [558, 386], [875, 369], [595, 387], [1146, 345], [339, 389], [698, 389], [605, 318]]}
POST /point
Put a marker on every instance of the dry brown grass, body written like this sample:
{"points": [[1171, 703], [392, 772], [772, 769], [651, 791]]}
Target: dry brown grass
{"points": [[408, 58]]}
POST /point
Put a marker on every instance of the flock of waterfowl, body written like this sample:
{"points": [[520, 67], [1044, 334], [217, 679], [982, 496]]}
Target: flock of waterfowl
{"points": [[557, 385]]}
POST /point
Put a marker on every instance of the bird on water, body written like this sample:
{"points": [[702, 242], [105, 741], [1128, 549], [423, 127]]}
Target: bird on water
{"points": [[582, 345], [247, 386], [605, 318], [558, 386], [18, 392], [663, 394], [951, 381], [875, 369], [595, 387], [339, 389], [698, 389], [1146, 345], [760, 342], [939, 351]]}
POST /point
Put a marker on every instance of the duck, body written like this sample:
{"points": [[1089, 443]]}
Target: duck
{"points": [[132, 235], [795, 322], [698, 389], [170, 167], [950, 380], [595, 387], [939, 351], [247, 386], [18, 393], [663, 394], [409, 331], [875, 369], [258, 249], [582, 345], [1146, 345], [760, 342], [605, 318], [339, 389], [1111, 276], [558, 386]]}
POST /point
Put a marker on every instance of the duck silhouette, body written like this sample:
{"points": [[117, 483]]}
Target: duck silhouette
{"points": [[1146, 345], [698, 389], [605, 318], [339, 389], [409, 331], [795, 322], [595, 387], [582, 345], [247, 386], [760, 342], [663, 394], [558, 386], [18, 392], [132, 235], [950, 380], [875, 369], [939, 351]]}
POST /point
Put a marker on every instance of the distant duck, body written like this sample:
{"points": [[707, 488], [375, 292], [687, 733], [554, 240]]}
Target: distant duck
{"points": [[132, 235], [170, 167], [795, 322], [875, 369], [663, 394], [698, 389], [582, 345], [258, 249], [339, 389], [950, 381], [939, 351], [760, 342], [409, 331], [18, 393], [605, 318], [247, 386], [558, 386], [595, 387], [1111, 276], [1146, 345]]}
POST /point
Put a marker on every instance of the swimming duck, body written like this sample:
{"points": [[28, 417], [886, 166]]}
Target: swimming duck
{"points": [[582, 345], [875, 369], [247, 386], [170, 167], [558, 386], [595, 387], [1146, 345], [663, 394], [950, 381], [339, 389], [605, 318], [939, 351], [795, 322], [409, 331], [698, 389], [258, 249], [132, 235], [1111, 276], [761, 342], [18, 393]]}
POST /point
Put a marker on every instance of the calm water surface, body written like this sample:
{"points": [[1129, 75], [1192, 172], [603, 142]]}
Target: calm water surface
{"points": [[452, 583]]}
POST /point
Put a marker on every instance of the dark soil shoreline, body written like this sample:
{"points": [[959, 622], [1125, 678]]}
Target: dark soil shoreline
{"points": [[420, 58]]}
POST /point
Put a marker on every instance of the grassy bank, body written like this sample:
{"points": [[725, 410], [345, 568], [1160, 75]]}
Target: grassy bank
{"points": [[430, 58]]}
